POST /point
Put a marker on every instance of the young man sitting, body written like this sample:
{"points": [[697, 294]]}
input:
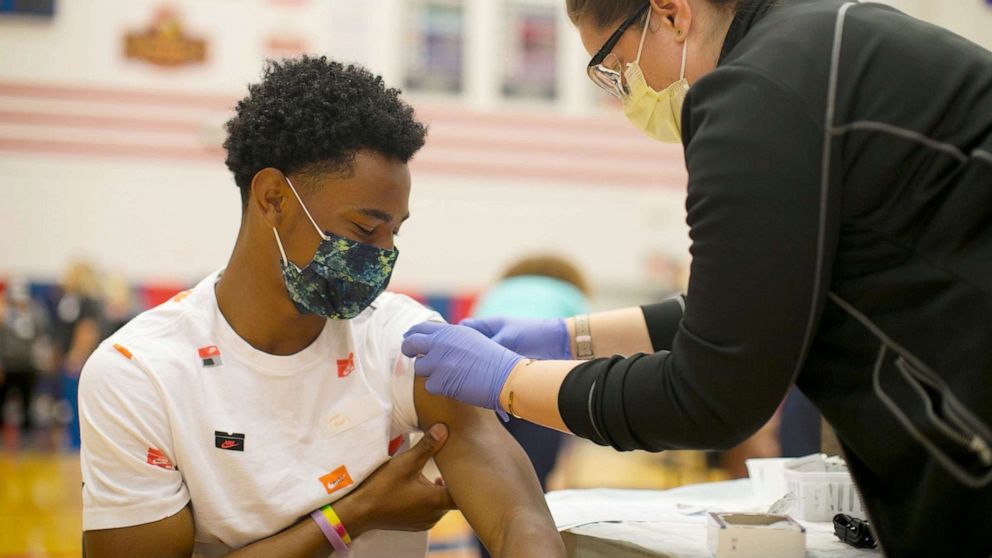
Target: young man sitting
{"points": [[242, 417]]}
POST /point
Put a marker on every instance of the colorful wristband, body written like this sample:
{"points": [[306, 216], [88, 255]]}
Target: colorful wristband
{"points": [[332, 527]]}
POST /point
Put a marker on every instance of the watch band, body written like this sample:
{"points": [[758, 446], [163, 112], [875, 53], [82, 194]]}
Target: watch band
{"points": [[583, 338]]}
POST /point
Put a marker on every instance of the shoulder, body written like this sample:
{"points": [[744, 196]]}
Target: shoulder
{"points": [[796, 43], [801, 25], [788, 49], [111, 377], [394, 309], [175, 321], [156, 342]]}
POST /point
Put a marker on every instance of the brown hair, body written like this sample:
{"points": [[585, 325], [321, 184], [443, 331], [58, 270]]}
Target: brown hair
{"points": [[608, 13], [549, 266]]}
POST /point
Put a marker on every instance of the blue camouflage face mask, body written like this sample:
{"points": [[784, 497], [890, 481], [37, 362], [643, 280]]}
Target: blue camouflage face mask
{"points": [[344, 277]]}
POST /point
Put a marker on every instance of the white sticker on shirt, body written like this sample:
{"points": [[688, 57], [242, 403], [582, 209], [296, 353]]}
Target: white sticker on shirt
{"points": [[352, 413]]}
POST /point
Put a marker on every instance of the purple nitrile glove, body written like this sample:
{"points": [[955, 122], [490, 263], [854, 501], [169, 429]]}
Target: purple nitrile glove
{"points": [[460, 363], [532, 338]]}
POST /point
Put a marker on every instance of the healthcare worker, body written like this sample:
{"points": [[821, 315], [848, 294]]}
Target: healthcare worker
{"points": [[840, 209]]}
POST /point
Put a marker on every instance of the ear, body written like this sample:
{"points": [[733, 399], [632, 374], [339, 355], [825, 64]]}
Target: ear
{"points": [[268, 195], [675, 16]]}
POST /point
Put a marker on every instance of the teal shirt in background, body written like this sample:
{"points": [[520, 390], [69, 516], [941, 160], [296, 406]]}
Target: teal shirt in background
{"points": [[531, 296]]}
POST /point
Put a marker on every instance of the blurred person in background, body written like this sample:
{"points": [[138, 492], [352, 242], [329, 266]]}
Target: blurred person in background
{"points": [[839, 202], [119, 303], [78, 329], [537, 287], [24, 352]]}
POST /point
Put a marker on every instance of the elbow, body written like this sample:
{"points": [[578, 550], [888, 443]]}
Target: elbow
{"points": [[527, 533], [725, 439], [708, 435], [683, 429], [698, 428], [732, 430]]}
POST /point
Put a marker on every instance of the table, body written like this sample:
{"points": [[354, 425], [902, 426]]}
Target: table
{"points": [[607, 523]]}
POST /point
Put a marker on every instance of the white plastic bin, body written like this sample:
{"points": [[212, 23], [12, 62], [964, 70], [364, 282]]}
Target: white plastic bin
{"points": [[823, 488], [767, 476]]}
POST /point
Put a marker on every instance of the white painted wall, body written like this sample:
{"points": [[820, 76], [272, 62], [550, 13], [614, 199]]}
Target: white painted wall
{"points": [[180, 221], [482, 194]]}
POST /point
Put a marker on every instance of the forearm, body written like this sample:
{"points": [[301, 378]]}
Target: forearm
{"points": [[305, 539], [525, 534], [302, 540], [534, 385], [615, 332], [642, 402], [510, 516]]}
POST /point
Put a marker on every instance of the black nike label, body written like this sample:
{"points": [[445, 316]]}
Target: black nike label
{"points": [[230, 442]]}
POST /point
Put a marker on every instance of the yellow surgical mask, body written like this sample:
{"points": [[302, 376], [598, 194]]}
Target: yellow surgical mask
{"points": [[657, 113]]}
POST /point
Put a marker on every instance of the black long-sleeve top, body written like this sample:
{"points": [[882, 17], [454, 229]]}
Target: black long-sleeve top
{"points": [[840, 213]]}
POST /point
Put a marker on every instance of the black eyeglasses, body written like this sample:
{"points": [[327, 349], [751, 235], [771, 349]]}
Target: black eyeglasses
{"points": [[610, 79]]}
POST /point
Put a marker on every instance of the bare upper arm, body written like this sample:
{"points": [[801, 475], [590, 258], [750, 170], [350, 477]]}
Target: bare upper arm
{"points": [[463, 421], [171, 537], [477, 451], [477, 443], [490, 478]]}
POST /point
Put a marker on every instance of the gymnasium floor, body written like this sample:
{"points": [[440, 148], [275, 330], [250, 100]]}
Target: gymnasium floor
{"points": [[40, 498]]}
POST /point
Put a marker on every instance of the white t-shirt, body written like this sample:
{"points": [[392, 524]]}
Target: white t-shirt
{"points": [[176, 407]]}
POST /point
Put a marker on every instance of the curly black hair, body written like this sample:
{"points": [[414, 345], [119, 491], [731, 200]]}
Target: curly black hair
{"points": [[313, 115]]}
